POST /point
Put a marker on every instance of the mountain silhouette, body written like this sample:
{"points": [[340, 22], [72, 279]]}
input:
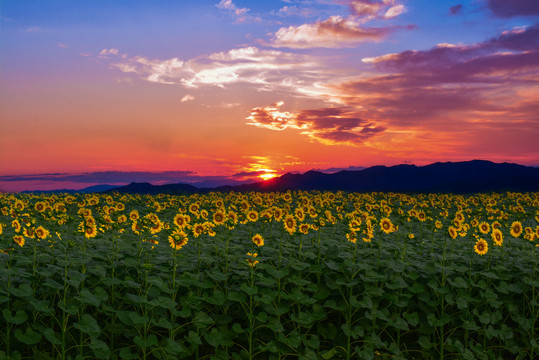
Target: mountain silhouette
{"points": [[445, 177]]}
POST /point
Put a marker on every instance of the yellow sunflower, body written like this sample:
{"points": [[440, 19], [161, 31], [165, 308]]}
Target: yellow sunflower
{"points": [[516, 229], [386, 225], [258, 240], [219, 217], [484, 227], [289, 224], [177, 239], [41, 232], [481, 247], [19, 240], [304, 228], [497, 237]]}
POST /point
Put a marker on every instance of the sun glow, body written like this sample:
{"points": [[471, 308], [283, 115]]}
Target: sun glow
{"points": [[268, 175]]}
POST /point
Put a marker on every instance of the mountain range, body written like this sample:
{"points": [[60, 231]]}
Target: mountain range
{"points": [[445, 177]]}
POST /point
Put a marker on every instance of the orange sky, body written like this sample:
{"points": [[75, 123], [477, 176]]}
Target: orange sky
{"points": [[290, 88]]}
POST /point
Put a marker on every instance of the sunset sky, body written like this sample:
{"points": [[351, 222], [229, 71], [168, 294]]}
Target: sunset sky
{"points": [[168, 91]]}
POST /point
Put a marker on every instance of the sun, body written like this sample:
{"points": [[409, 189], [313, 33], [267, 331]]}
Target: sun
{"points": [[267, 175]]}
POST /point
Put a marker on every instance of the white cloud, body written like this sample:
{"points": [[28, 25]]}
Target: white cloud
{"points": [[187, 97], [241, 14]]}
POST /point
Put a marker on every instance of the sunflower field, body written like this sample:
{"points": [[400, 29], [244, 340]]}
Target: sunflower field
{"points": [[291, 275]]}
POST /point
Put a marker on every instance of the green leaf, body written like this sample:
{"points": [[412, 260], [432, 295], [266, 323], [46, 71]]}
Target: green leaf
{"points": [[88, 325], [216, 338], [163, 322], [202, 320], [86, 297], [24, 290], [173, 347], [125, 353], [330, 354], [19, 318], [138, 319], [365, 302], [42, 306], [237, 296], [29, 337], [100, 348], [151, 340], [399, 323], [424, 342], [50, 335], [397, 283], [459, 282], [249, 290], [412, 319], [237, 328], [312, 341], [275, 325], [217, 298], [193, 338]]}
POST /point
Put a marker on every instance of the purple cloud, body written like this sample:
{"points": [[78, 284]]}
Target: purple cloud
{"points": [[510, 8]]}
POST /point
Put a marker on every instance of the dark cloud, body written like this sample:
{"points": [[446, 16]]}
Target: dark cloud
{"points": [[510, 8], [104, 177], [328, 125], [455, 10]]}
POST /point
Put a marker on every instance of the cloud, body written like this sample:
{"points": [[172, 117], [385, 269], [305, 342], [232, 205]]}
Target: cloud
{"points": [[340, 31], [103, 177], [32, 29], [241, 14], [187, 98], [335, 32], [507, 9], [267, 69], [63, 46], [455, 10], [326, 125], [369, 9]]}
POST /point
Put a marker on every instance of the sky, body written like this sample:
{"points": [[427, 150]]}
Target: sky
{"points": [[214, 92]]}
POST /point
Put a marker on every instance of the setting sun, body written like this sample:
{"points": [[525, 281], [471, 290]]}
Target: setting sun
{"points": [[267, 176]]}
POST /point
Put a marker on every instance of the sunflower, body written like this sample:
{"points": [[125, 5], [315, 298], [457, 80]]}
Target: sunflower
{"points": [[219, 217], [198, 229], [496, 225], [16, 224], [497, 237], [452, 232], [120, 207], [40, 206], [122, 219], [177, 239], [252, 215], [304, 228], [300, 214], [312, 212], [90, 230], [516, 229], [481, 247], [135, 227], [258, 240], [180, 221], [28, 232], [289, 224], [351, 236], [156, 227], [277, 213], [252, 262], [41, 232], [484, 227], [133, 215], [422, 216], [19, 240], [438, 224], [386, 225]]}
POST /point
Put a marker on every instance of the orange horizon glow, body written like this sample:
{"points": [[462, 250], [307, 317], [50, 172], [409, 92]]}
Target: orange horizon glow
{"points": [[316, 85]]}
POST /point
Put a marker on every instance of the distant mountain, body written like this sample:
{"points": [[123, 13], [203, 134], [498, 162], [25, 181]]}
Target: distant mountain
{"points": [[86, 190], [447, 177]]}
